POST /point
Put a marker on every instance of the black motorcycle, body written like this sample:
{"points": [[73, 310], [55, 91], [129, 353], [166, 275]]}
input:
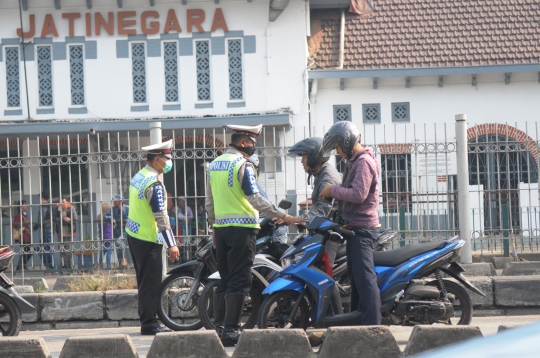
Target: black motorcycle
{"points": [[10, 313], [182, 289]]}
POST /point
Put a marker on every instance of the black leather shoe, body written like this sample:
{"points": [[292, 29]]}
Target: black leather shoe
{"points": [[153, 331]]}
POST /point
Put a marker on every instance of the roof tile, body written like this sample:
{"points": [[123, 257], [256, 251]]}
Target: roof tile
{"points": [[428, 33]]}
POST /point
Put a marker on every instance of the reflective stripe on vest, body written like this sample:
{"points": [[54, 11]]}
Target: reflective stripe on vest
{"points": [[231, 206], [141, 223]]}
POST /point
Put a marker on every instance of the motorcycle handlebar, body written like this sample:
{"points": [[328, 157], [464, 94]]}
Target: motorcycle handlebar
{"points": [[345, 232]]}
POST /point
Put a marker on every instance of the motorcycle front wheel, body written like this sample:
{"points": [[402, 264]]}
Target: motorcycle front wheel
{"points": [[174, 310], [276, 310], [10, 316], [251, 307]]}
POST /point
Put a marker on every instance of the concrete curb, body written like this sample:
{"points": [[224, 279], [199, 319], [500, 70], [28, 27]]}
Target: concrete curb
{"points": [[111, 346], [503, 293], [17, 347], [506, 327], [358, 342], [187, 344], [512, 291], [273, 343], [521, 268], [424, 338]]}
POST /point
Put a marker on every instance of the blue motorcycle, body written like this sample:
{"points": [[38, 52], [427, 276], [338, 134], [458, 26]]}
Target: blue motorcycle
{"points": [[306, 296]]}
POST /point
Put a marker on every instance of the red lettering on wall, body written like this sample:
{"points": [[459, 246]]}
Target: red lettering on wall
{"points": [[49, 27], [71, 18], [195, 17], [154, 25], [88, 24], [172, 23], [219, 21], [32, 31], [122, 23], [107, 25]]}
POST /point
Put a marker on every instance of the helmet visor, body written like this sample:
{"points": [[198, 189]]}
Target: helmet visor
{"points": [[329, 145]]}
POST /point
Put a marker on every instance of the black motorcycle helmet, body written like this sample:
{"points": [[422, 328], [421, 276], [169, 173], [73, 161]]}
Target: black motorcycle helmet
{"points": [[345, 134], [311, 147]]}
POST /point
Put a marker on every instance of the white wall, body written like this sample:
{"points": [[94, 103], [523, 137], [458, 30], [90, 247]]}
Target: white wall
{"points": [[274, 76], [432, 111]]}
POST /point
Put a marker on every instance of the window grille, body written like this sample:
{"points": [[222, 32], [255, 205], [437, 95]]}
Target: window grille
{"points": [[12, 77], [342, 113], [138, 61], [171, 71], [76, 60], [45, 76], [203, 70], [235, 70], [401, 112], [371, 113]]}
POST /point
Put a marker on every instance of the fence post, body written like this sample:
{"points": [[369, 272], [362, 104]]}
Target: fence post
{"points": [[462, 154], [402, 225], [155, 138], [506, 229]]}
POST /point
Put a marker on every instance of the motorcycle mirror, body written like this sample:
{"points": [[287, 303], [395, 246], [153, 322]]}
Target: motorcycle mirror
{"points": [[285, 204]]}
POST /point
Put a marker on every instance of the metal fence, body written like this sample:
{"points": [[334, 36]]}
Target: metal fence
{"points": [[418, 186]]}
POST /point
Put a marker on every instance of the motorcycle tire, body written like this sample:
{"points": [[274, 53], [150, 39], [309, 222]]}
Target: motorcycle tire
{"points": [[206, 308], [169, 306], [8, 307], [465, 302], [279, 305]]}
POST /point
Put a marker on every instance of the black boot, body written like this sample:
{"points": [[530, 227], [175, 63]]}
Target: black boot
{"points": [[219, 312], [234, 303]]}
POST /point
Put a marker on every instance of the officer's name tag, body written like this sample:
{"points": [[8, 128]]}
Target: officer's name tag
{"points": [[220, 166]]}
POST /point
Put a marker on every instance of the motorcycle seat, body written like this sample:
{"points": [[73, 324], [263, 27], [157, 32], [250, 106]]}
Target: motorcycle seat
{"points": [[395, 257]]}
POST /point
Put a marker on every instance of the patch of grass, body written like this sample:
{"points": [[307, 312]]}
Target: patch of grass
{"points": [[40, 288], [101, 280]]}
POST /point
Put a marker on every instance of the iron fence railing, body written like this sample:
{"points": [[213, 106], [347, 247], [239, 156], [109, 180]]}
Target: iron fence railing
{"points": [[418, 185]]}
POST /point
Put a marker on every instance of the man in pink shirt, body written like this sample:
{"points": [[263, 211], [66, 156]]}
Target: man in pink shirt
{"points": [[359, 202]]}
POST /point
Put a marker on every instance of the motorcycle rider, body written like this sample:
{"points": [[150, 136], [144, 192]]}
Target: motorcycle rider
{"points": [[359, 201], [316, 165]]}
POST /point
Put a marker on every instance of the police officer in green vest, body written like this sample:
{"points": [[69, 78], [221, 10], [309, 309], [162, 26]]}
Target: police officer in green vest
{"points": [[233, 204], [148, 229]]}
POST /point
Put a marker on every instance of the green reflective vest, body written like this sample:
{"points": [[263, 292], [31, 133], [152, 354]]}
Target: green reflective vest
{"points": [[141, 223], [231, 206]]}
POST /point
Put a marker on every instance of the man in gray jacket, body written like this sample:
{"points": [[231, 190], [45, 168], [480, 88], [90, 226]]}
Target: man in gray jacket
{"points": [[316, 164]]}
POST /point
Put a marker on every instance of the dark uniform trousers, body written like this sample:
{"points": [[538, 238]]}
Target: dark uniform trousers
{"points": [[235, 252], [364, 289], [148, 269]]}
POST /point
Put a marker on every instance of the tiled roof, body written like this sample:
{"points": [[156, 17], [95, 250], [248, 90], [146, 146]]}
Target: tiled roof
{"points": [[430, 33]]}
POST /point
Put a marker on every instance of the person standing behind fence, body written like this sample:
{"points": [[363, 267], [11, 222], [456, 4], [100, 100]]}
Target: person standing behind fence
{"points": [[106, 234], [66, 228], [21, 223], [44, 223], [119, 213], [184, 215]]}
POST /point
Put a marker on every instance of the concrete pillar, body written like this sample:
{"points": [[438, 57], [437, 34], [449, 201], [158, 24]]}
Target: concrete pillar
{"points": [[463, 187]]}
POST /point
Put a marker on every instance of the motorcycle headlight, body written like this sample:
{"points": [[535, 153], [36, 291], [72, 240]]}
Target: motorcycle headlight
{"points": [[292, 260]]}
